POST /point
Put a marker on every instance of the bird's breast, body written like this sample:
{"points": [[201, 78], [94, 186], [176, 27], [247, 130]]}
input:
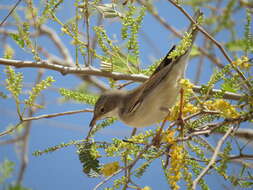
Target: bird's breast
{"points": [[155, 107]]}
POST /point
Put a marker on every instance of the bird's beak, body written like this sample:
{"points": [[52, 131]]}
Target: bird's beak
{"points": [[93, 121]]}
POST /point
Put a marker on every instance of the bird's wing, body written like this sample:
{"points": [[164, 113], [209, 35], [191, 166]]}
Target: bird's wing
{"points": [[144, 90]]}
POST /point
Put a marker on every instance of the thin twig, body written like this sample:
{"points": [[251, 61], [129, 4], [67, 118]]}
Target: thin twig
{"points": [[223, 51], [211, 127], [24, 150], [202, 30], [227, 95], [212, 161], [56, 114], [73, 70], [8, 131], [26, 135], [13, 8], [11, 141], [86, 16], [46, 30], [245, 134], [177, 33]]}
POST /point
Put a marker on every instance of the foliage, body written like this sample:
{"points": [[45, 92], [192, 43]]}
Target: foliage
{"points": [[78, 96], [14, 82], [6, 170], [88, 157], [185, 145], [17, 187], [37, 90]]}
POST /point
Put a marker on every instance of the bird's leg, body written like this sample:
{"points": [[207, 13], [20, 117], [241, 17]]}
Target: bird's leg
{"points": [[158, 137], [133, 132]]}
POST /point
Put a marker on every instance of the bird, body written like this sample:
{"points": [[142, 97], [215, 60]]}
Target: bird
{"points": [[149, 103]]}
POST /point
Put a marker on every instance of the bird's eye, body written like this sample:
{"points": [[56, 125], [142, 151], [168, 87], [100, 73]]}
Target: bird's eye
{"points": [[102, 110]]}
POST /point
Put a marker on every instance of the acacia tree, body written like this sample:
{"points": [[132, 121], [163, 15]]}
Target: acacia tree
{"points": [[220, 107]]}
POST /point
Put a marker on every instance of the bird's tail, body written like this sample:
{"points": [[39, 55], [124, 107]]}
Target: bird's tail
{"points": [[193, 30]]}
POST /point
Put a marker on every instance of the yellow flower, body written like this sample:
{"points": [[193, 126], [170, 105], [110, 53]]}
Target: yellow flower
{"points": [[189, 109], [221, 104], [146, 188], [8, 52], [64, 30], [176, 164], [110, 168], [227, 110], [208, 103], [173, 113], [186, 85], [168, 137], [242, 62]]}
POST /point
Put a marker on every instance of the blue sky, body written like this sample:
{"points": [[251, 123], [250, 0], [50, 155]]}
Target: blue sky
{"points": [[62, 169]]}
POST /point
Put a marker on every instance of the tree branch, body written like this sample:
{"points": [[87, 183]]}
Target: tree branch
{"points": [[73, 70], [27, 119], [177, 33], [57, 41], [13, 8], [212, 161], [93, 71], [56, 114], [223, 51]]}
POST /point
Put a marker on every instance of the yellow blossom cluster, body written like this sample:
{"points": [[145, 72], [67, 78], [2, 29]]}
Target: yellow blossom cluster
{"points": [[227, 110], [188, 109], [8, 52], [168, 137], [146, 188], [110, 168], [64, 30], [242, 62], [176, 164], [186, 85], [176, 159]]}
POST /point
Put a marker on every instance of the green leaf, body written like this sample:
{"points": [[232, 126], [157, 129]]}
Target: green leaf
{"points": [[90, 163], [17, 187], [37, 90], [6, 170], [195, 51], [141, 170], [228, 88], [78, 96], [103, 124], [18, 40], [14, 82], [108, 10], [238, 45]]}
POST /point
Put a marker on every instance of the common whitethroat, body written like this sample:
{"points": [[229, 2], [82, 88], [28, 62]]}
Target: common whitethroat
{"points": [[149, 103]]}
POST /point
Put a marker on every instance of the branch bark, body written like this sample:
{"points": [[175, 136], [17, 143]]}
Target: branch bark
{"points": [[96, 72]]}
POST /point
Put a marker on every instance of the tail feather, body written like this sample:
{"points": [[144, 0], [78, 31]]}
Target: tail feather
{"points": [[193, 31]]}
